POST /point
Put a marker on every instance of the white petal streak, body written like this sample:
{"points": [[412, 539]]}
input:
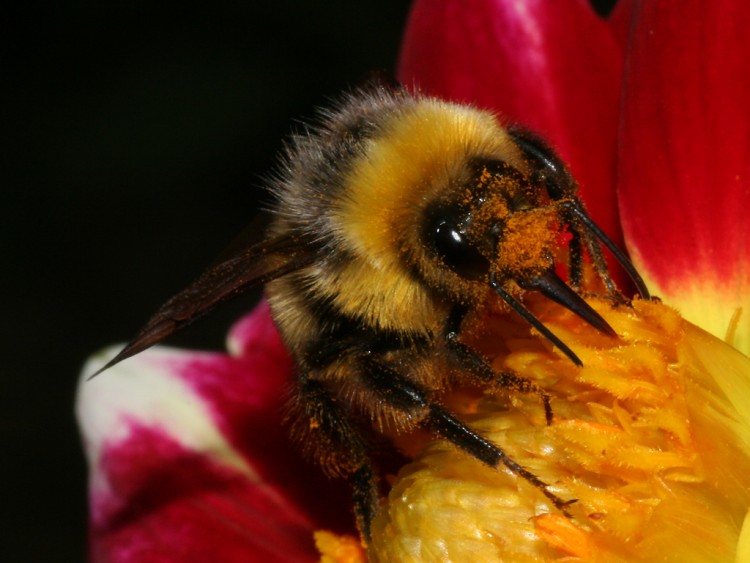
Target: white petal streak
{"points": [[145, 391]]}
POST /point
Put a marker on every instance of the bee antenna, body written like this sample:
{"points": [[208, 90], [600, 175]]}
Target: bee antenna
{"points": [[530, 318], [619, 255]]}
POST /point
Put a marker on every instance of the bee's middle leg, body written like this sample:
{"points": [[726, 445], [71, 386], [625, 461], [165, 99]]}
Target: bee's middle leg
{"points": [[405, 395]]}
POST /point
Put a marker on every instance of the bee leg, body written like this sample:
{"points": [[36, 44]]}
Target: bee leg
{"points": [[578, 240], [449, 427], [407, 396], [578, 219], [365, 499], [602, 270], [575, 259], [472, 362], [326, 432]]}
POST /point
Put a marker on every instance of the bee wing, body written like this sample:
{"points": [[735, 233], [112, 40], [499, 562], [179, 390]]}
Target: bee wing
{"points": [[227, 278]]}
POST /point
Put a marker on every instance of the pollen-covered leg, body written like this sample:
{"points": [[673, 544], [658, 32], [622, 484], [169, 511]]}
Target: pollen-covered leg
{"points": [[474, 364], [366, 499], [575, 259], [407, 396], [592, 234], [594, 251], [471, 362], [327, 433], [583, 240]]}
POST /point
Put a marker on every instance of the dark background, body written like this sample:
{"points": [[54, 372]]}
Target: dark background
{"points": [[136, 136]]}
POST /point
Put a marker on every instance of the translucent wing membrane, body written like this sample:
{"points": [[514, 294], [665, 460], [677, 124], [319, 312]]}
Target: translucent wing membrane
{"points": [[231, 276]]}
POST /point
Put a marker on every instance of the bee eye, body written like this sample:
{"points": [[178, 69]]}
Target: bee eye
{"points": [[456, 252]]}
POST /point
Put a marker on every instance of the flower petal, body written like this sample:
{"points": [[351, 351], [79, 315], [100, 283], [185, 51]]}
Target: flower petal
{"points": [[619, 21], [554, 67], [165, 482], [648, 437], [684, 182], [188, 455]]}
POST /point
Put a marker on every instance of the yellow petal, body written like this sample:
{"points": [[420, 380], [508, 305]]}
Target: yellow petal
{"points": [[334, 548], [651, 438], [722, 307]]}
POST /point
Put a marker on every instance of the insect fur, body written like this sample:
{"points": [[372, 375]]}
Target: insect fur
{"points": [[396, 217]]}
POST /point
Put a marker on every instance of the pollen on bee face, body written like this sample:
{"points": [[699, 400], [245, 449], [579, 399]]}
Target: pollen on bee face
{"points": [[527, 241]]}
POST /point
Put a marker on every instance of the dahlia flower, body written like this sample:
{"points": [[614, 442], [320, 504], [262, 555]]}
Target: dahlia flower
{"points": [[651, 437]]}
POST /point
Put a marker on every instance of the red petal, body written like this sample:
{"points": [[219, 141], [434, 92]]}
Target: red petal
{"points": [[164, 503], [685, 154], [553, 66], [620, 22], [188, 451], [249, 397]]}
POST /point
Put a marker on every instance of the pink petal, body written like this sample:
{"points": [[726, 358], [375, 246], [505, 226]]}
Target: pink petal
{"points": [[684, 181], [188, 452], [168, 503], [249, 399], [553, 66]]}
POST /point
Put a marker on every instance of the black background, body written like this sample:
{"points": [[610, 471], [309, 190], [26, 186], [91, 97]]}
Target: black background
{"points": [[136, 137]]}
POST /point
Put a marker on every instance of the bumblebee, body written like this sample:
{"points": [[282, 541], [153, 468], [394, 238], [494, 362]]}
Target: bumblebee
{"points": [[396, 217]]}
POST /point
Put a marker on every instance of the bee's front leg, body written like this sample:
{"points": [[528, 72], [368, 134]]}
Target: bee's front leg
{"points": [[472, 363], [408, 397]]}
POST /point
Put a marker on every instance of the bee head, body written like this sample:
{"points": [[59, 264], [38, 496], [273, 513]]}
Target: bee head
{"points": [[498, 225], [502, 230]]}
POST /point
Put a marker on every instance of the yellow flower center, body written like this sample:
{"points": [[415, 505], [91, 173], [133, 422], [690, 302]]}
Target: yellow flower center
{"points": [[651, 438]]}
